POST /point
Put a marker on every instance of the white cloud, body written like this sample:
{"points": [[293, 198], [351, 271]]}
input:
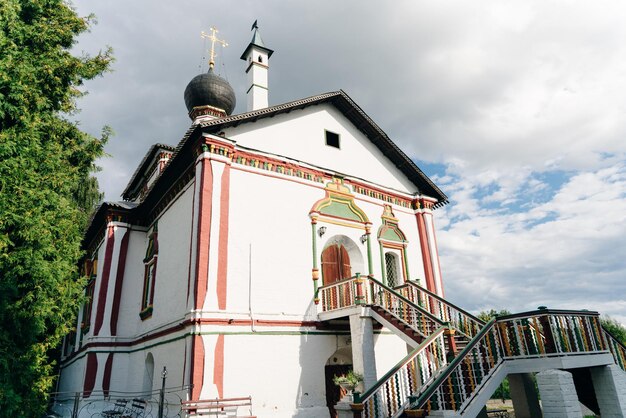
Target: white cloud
{"points": [[521, 100]]}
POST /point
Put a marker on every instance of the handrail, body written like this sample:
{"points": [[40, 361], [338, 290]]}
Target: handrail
{"points": [[461, 320], [412, 373], [440, 299], [454, 363], [618, 350], [408, 301], [537, 334]]}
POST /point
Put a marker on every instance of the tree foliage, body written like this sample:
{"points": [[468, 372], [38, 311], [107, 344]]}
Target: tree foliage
{"points": [[615, 328], [492, 313], [46, 191]]}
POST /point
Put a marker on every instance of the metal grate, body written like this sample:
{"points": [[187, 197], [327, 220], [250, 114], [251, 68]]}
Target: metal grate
{"points": [[391, 267]]}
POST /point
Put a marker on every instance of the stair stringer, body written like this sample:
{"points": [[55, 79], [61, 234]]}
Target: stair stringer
{"points": [[391, 327]]}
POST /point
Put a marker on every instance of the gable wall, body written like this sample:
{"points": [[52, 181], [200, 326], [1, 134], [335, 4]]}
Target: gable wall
{"points": [[300, 135]]}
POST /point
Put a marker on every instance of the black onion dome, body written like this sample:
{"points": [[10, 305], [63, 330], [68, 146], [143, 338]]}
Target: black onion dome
{"points": [[210, 89]]}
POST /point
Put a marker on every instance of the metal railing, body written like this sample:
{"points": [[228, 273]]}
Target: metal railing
{"points": [[107, 404]]}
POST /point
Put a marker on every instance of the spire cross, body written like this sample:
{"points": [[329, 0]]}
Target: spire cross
{"points": [[213, 39]]}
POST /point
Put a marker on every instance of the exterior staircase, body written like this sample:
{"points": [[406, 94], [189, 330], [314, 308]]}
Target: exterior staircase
{"points": [[458, 360]]}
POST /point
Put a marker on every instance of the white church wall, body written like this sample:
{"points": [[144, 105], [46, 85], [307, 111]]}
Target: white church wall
{"points": [[71, 378], [269, 217], [300, 135], [132, 288], [291, 365], [389, 350], [170, 290]]}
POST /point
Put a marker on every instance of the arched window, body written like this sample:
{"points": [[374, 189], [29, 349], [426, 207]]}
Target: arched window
{"points": [[392, 270], [260, 59], [150, 266], [148, 374]]}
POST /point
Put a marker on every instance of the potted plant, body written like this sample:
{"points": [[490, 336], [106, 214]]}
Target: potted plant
{"points": [[348, 382]]}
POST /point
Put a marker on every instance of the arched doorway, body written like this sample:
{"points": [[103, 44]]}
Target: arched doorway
{"points": [[341, 259], [335, 264], [148, 374], [339, 364]]}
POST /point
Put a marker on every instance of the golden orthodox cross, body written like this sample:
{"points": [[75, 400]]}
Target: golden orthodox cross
{"points": [[213, 39]]}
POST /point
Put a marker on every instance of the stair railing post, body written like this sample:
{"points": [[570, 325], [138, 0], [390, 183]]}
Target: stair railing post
{"points": [[449, 333], [360, 296], [544, 320], [162, 393], [76, 403]]}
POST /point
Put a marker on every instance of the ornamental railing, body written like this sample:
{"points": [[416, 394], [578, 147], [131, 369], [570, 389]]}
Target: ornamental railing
{"points": [[367, 291], [417, 317], [462, 321], [392, 393], [541, 333], [342, 294], [618, 350]]}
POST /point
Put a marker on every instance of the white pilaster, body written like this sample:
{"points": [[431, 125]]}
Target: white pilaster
{"points": [[609, 383], [558, 394], [363, 356]]}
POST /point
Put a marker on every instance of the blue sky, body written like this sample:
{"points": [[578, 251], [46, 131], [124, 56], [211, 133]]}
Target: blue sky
{"points": [[515, 108]]}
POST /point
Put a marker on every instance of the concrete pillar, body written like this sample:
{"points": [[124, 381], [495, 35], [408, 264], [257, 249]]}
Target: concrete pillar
{"points": [[524, 396], [558, 394], [363, 358], [609, 383]]}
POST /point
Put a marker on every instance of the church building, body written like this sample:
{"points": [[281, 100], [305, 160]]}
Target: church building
{"points": [[270, 251]]}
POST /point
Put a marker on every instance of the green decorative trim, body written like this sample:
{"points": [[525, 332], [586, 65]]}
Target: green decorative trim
{"points": [[314, 241], [315, 269], [339, 202], [382, 263], [146, 313], [406, 265], [370, 261]]}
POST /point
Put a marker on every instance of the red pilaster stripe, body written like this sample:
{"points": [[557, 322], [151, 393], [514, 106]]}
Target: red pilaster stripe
{"points": [[222, 262], [428, 270], [119, 280], [106, 379], [90, 374], [104, 283], [218, 365], [204, 233], [437, 255], [197, 366]]}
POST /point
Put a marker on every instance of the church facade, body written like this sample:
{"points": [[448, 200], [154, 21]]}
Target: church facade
{"points": [[211, 265], [271, 251]]}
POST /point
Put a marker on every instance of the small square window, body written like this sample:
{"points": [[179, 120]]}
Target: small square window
{"points": [[332, 139]]}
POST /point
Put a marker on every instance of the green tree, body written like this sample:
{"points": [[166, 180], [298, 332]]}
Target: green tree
{"points": [[492, 313], [615, 328], [46, 191]]}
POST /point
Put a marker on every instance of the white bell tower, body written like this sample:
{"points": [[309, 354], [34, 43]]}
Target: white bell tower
{"points": [[257, 57]]}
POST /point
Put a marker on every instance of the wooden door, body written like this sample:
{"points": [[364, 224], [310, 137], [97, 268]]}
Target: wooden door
{"points": [[335, 264]]}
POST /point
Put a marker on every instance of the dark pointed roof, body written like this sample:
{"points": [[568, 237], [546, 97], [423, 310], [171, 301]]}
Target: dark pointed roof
{"points": [[138, 177], [258, 42]]}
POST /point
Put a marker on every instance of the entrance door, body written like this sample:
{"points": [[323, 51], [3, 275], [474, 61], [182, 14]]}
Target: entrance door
{"points": [[333, 392], [335, 264]]}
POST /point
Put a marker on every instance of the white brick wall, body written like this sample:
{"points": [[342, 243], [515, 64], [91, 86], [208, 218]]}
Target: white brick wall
{"points": [[609, 383], [558, 394]]}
